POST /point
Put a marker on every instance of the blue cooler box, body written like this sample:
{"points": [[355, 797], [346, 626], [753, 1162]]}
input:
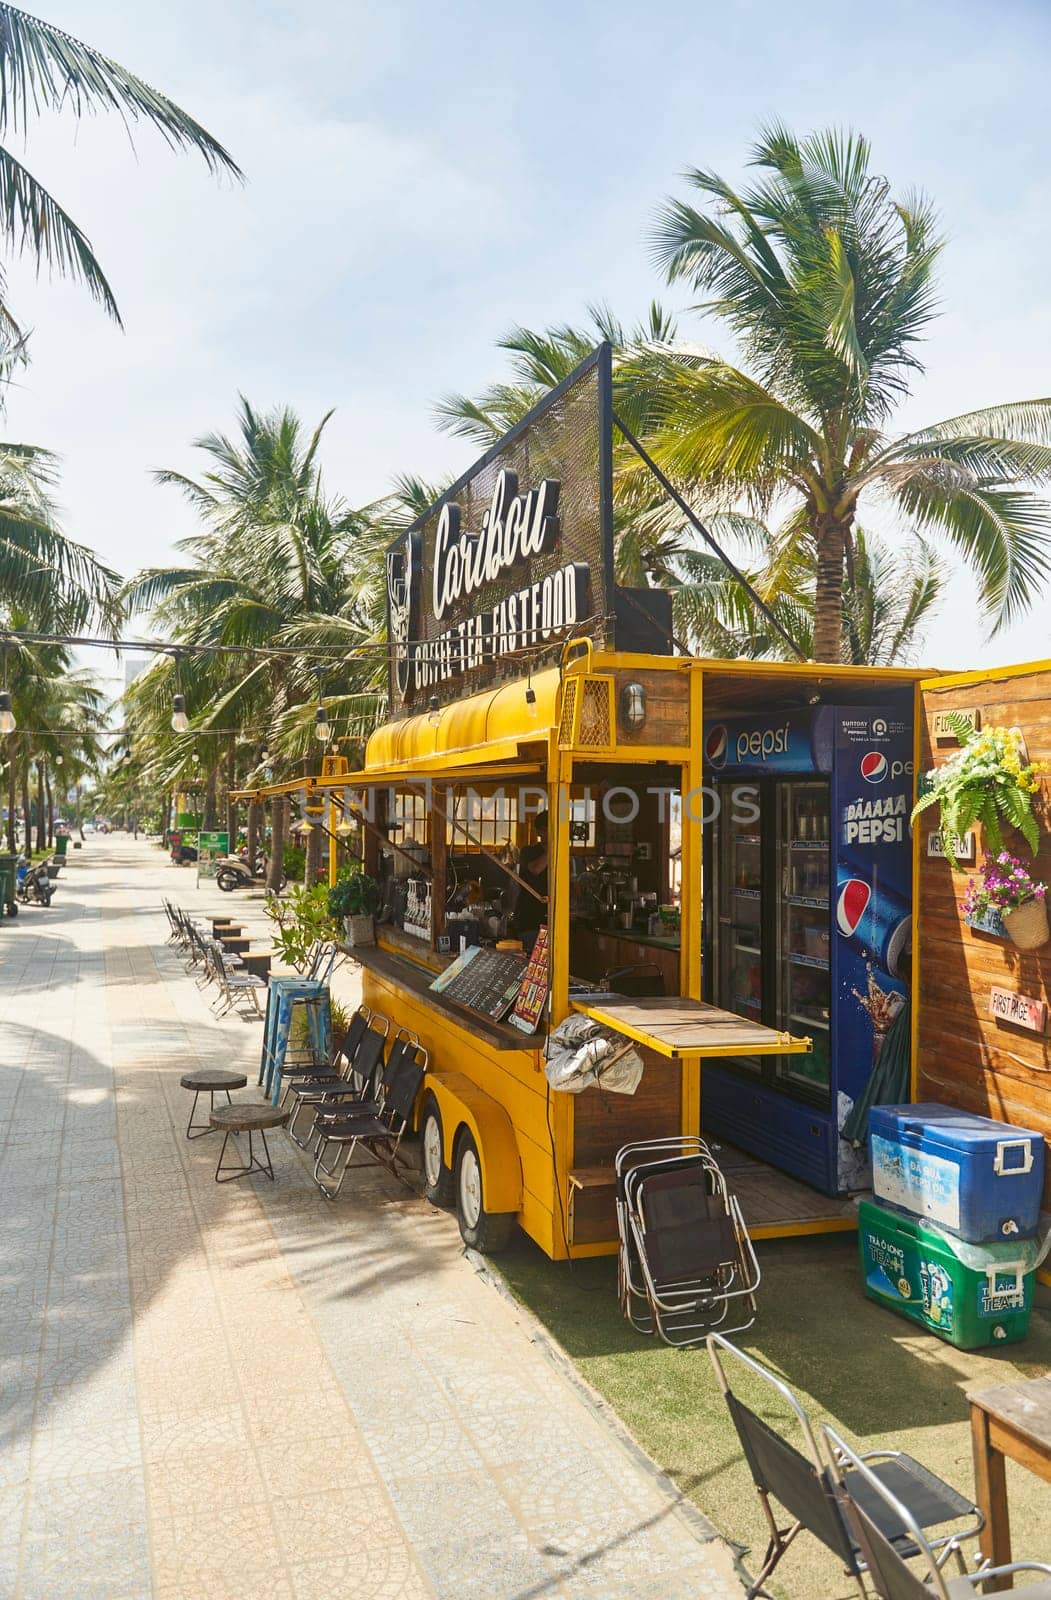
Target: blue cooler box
{"points": [[978, 1179]]}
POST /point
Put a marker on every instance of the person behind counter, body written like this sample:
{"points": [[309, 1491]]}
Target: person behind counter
{"points": [[532, 867]]}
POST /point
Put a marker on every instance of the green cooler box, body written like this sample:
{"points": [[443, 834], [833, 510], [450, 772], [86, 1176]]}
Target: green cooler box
{"points": [[968, 1294]]}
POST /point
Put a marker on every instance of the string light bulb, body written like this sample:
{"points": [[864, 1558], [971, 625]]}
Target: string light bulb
{"points": [[434, 710], [180, 721]]}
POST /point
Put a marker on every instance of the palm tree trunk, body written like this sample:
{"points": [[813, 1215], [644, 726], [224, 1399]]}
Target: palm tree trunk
{"points": [[41, 825], [11, 793], [828, 595], [27, 815], [50, 807], [80, 811], [313, 857], [278, 818], [209, 800], [231, 783], [253, 832]]}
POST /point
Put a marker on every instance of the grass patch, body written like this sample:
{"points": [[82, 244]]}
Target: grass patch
{"points": [[876, 1377]]}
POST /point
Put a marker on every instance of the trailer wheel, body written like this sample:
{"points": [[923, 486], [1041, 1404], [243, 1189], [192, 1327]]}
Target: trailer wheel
{"points": [[487, 1231], [438, 1183]]}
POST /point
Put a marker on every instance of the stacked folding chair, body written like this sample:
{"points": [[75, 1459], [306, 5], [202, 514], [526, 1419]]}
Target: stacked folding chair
{"points": [[377, 1126], [686, 1264], [351, 1076]]}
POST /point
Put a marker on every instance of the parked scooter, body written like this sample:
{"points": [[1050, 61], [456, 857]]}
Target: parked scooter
{"points": [[33, 884], [233, 872]]}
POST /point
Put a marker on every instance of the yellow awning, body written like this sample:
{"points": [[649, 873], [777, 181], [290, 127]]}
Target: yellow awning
{"points": [[490, 728]]}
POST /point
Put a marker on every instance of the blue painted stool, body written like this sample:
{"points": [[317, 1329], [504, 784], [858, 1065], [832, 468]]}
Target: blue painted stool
{"points": [[283, 995]]}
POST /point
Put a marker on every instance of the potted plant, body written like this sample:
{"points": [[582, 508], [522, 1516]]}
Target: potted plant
{"points": [[356, 898], [1007, 889], [301, 922], [989, 780]]}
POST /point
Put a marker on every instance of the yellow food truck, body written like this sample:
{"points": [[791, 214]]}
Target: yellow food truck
{"points": [[555, 782]]}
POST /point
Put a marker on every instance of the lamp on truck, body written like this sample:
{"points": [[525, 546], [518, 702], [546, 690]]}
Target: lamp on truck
{"points": [[633, 705]]}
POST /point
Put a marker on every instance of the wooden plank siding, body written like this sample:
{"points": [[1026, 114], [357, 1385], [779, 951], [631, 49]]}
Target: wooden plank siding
{"points": [[964, 1058]]}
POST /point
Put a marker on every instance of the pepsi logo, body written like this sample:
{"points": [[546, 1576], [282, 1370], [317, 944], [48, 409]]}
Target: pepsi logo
{"points": [[715, 746], [874, 766], [852, 904]]}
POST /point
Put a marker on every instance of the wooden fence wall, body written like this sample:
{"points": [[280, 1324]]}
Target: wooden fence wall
{"points": [[964, 1057]]}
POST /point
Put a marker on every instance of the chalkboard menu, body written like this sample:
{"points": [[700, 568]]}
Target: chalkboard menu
{"points": [[489, 983]]}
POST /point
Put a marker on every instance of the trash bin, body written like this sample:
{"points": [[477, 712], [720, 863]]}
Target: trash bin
{"points": [[61, 845], [8, 863]]}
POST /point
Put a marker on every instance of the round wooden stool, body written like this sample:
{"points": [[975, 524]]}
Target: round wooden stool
{"points": [[251, 1117], [210, 1083]]}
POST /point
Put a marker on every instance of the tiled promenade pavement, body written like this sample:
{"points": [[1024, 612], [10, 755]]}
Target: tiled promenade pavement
{"points": [[242, 1391]]}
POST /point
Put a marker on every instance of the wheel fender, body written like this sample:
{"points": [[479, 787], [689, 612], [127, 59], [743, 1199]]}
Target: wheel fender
{"points": [[463, 1105]]}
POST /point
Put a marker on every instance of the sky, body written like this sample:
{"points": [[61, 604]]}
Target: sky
{"points": [[421, 176]]}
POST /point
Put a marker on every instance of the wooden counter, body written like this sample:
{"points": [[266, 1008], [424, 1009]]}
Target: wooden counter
{"points": [[410, 976]]}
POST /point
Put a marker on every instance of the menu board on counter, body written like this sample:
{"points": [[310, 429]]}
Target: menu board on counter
{"points": [[532, 994], [488, 981]]}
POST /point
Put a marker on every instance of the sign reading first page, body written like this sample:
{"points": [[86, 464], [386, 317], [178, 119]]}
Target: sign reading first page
{"points": [[1023, 1010]]}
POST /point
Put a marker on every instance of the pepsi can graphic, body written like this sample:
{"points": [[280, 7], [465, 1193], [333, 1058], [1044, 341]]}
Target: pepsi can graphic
{"points": [[873, 918]]}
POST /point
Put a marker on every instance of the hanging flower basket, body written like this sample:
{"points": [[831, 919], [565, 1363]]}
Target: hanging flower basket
{"points": [[1007, 892], [989, 780], [1027, 924]]}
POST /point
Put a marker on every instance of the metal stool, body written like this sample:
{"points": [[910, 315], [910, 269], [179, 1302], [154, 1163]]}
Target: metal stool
{"points": [[210, 1083]]}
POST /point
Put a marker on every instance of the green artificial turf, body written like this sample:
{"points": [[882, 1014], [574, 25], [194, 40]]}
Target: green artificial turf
{"points": [[876, 1377]]}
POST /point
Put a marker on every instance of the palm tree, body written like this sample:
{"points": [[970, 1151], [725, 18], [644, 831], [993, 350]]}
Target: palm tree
{"points": [[827, 282], [279, 563], [43, 69], [884, 610]]}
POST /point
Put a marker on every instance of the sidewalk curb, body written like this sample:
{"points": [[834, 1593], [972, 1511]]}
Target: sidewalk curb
{"points": [[700, 1527]]}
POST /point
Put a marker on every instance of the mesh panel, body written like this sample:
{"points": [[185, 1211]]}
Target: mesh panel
{"points": [[595, 726], [569, 708], [562, 443]]}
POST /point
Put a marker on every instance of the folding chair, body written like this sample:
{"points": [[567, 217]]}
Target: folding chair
{"points": [[174, 931], [801, 1483], [873, 1510], [353, 1084], [685, 1250], [378, 1128], [232, 985], [631, 1285]]}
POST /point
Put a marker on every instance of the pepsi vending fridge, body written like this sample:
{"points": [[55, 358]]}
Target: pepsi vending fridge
{"points": [[807, 922]]}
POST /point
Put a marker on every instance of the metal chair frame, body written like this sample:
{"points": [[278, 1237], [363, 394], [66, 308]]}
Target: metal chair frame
{"points": [[233, 984], [837, 1536], [379, 1132], [324, 1089], [882, 1559], [682, 1310]]}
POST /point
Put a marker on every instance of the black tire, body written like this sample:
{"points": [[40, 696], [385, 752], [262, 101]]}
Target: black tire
{"points": [[226, 881], [487, 1231], [439, 1184], [45, 899]]}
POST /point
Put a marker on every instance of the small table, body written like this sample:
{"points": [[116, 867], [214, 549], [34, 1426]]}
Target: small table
{"points": [[251, 1118], [257, 962], [209, 1083], [1012, 1419]]}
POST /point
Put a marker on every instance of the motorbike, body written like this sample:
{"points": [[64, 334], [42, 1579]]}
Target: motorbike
{"points": [[234, 872], [33, 884], [184, 855]]}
